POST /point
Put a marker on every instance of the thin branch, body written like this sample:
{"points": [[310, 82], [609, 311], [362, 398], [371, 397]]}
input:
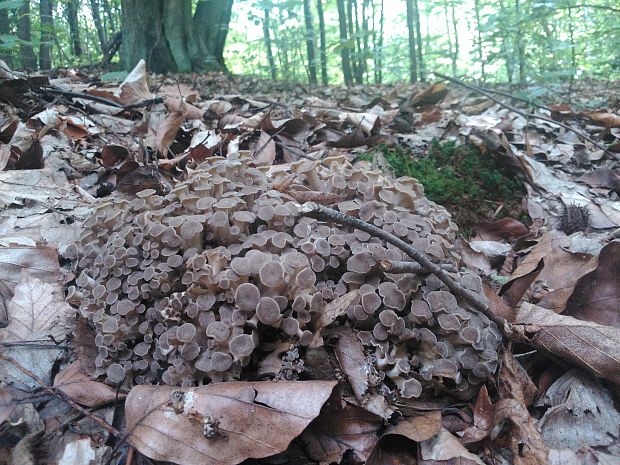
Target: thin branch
{"points": [[522, 113], [320, 212], [103, 100], [62, 396]]}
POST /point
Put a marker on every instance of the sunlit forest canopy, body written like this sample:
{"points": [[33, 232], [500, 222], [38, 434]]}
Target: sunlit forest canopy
{"points": [[322, 41]]}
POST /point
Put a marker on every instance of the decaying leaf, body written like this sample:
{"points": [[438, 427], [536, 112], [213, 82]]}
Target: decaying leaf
{"points": [[597, 294], [223, 423], [37, 314], [338, 430], [588, 345], [444, 446], [484, 413], [40, 262], [582, 413], [83, 389]]}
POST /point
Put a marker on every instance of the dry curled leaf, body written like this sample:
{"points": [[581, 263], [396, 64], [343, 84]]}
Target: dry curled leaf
{"points": [[483, 418], [223, 423], [588, 345]]}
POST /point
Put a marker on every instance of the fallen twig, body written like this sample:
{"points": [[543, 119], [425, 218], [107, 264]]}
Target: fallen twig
{"points": [[62, 396], [522, 113], [314, 210], [103, 100]]}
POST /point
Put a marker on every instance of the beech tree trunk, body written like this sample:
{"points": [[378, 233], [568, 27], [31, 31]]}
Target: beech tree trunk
{"points": [[344, 49], [268, 47], [46, 9], [323, 44], [101, 32], [413, 65], [418, 33], [24, 33], [310, 44], [166, 35], [74, 28], [5, 29]]}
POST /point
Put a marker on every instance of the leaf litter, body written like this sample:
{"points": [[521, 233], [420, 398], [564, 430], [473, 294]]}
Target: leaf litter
{"points": [[557, 277]]}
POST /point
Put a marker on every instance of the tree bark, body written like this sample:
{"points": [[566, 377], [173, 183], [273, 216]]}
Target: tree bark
{"points": [[109, 15], [268, 47], [344, 49], [483, 74], [46, 8], [5, 29], [413, 65], [379, 51], [360, 66], [310, 43], [211, 21], [24, 33], [101, 32], [418, 32], [165, 35], [323, 42], [455, 55], [71, 11]]}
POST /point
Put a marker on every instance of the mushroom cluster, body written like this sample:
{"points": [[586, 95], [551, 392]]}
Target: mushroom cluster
{"points": [[198, 284]]}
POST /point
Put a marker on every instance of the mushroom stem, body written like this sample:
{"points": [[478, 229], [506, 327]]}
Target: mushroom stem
{"points": [[320, 212]]}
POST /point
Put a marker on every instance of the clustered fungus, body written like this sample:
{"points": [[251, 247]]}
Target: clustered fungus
{"points": [[200, 284]]}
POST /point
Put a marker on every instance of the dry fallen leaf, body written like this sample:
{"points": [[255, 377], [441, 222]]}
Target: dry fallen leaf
{"points": [[588, 345], [484, 412], [445, 446], [223, 423], [338, 430], [6, 404], [83, 389], [37, 314], [582, 413], [597, 294]]}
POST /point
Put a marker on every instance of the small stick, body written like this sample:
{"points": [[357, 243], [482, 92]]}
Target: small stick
{"points": [[320, 212], [103, 100], [62, 396], [522, 113]]}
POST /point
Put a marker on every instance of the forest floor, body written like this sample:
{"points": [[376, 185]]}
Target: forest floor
{"points": [[530, 176]]}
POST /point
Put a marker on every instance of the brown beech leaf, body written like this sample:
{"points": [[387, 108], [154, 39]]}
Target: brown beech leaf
{"points": [[397, 445], [40, 262], [560, 271], [167, 131], [352, 361], [135, 87], [597, 294], [81, 388], [338, 430], [430, 96], [605, 119], [588, 345], [483, 418], [265, 152], [223, 423], [516, 382], [444, 448]]}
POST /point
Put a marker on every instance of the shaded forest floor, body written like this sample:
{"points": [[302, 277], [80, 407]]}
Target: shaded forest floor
{"points": [[530, 177]]}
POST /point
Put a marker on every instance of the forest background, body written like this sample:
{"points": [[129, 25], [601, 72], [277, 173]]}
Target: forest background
{"points": [[322, 41]]}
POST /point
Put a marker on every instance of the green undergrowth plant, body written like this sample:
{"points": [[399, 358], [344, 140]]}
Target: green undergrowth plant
{"points": [[471, 185]]}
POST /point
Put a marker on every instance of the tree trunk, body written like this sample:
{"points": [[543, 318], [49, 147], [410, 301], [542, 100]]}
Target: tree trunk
{"points": [[413, 66], [109, 16], [268, 46], [360, 66], [164, 34], [211, 21], [379, 47], [366, 33], [418, 32], [483, 75], [310, 43], [323, 44], [5, 29], [72, 8], [520, 45], [455, 55], [46, 8], [449, 34], [24, 33], [101, 32], [344, 49]]}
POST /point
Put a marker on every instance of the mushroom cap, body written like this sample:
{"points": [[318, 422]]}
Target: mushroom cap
{"points": [[241, 345], [247, 296], [268, 311], [271, 274]]}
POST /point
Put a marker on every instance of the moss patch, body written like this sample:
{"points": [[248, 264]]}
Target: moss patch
{"points": [[469, 184]]}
